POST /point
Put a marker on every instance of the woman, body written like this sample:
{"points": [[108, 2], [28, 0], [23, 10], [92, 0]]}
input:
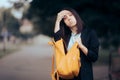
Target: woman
{"points": [[71, 28]]}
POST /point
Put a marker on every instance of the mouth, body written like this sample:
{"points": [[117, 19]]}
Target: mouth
{"points": [[71, 22]]}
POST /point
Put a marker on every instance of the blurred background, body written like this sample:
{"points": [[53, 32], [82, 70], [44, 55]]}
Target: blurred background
{"points": [[26, 27]]}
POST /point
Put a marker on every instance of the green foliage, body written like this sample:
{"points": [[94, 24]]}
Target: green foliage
{"points": [[11, 23], [101, 15], [7, 51]]}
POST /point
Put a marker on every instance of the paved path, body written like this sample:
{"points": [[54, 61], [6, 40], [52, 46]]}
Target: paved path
{"points": [[100, 72], [33, 62]]}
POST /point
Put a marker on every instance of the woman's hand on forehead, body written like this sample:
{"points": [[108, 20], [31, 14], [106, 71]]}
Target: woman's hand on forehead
{"points": [[63, 12]]}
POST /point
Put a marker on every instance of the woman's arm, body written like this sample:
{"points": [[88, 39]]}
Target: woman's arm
{"points": [[81, 46], [57, 26], [91, 51], [60, 16], [93, 47]]}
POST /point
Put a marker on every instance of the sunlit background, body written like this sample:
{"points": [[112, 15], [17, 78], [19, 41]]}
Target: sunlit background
{"points": [[5, 4]]}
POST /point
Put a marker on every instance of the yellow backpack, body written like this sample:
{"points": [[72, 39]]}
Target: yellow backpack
{"points": [[67, 65]]}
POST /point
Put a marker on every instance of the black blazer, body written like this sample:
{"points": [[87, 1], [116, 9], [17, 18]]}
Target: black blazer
{"points": [[90, 40]]}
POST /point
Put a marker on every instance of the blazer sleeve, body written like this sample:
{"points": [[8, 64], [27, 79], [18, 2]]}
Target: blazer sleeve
{"points": [[93, 48], [57, 35]]}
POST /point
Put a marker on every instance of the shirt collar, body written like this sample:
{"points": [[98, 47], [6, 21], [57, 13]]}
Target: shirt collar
{"points": [[75, 34]]}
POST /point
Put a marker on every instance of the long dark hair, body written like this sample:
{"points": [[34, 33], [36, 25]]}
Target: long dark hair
{"points": [[66, 32]]}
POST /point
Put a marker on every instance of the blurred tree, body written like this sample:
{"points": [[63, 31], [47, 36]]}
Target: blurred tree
{"points": [[10, 22], [12, 17], [101, 15]]}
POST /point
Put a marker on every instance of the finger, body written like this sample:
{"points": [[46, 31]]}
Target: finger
{"points": [[63, 12]]}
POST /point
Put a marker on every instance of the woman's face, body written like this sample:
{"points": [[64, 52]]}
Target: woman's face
{"points": [[69, 19]]}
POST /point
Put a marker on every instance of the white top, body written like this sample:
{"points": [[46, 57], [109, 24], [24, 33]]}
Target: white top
{"points": [[73, 39]]}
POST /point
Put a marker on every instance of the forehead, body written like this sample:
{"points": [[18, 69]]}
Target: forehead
{"points": [[67, 12]]}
